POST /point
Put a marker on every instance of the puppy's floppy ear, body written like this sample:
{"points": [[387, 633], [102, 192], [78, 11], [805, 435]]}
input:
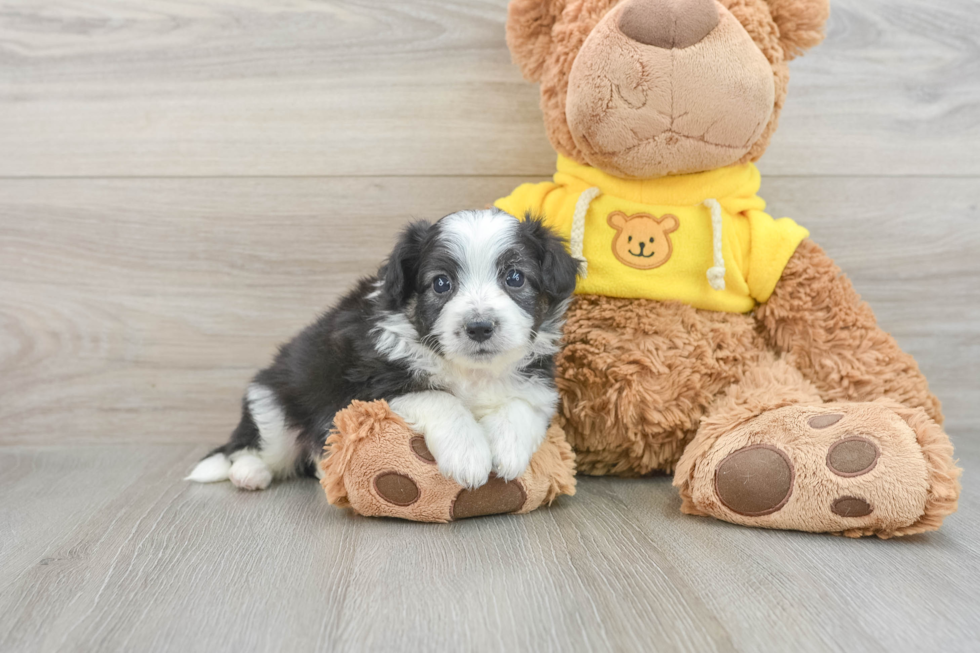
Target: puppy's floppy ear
{"points": [[558, 268], [402, 267]]}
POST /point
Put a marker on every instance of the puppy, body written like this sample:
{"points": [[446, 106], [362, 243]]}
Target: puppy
{"points": [[457, 332]]}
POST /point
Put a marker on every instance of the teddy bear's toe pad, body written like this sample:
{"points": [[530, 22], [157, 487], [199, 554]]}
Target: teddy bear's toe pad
{"points": [[852, 456], [826, 468], [755, 480], [851, 507], [495, 498], [397, 489]]}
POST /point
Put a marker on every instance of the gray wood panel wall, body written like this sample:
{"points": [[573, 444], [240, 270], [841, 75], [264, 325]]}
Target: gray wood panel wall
{"points": [[183, 185]]}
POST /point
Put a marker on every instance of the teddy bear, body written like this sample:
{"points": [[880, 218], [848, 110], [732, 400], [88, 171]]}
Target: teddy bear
{"points": [[706, 338]]}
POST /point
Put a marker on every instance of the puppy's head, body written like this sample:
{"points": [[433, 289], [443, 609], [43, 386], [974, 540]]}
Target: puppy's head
{"points": [[480, 287]]}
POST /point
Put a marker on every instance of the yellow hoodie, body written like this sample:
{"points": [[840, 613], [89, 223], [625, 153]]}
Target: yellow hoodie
{"points": [[702, 239]]}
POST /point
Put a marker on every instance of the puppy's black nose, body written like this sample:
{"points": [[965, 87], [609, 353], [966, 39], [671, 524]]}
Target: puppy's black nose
{"points": [[479, 331]]}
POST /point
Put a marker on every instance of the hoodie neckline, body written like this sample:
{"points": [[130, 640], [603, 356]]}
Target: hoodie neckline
{"points": [[735, 181]]}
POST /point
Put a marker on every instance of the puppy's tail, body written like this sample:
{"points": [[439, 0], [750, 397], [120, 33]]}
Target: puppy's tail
{"points": [[213, 469]]}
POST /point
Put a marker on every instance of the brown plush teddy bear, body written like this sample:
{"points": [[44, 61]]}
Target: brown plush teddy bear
{"points": [[707, 338]]}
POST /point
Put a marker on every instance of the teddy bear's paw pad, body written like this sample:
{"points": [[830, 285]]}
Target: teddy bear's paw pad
{"points": [[397, 489], [421, 451], [755, 480], [495, 497], [824, 421], [851, 507]]}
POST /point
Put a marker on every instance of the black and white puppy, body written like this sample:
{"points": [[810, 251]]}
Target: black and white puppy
{"points": [[457, 332]]}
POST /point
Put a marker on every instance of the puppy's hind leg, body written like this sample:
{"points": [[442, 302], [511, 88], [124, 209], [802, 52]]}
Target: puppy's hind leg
{"points": [[261, 446], [217, 465], [270, 444]]}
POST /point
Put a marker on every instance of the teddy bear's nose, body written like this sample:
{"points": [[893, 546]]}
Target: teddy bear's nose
{"points": [[668, 23]]}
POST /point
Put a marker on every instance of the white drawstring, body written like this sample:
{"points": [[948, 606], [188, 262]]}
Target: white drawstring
{"points": [[716, 274], [577, 237]]}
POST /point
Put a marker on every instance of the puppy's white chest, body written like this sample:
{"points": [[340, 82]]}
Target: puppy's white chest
{"points": [[481, 391], [484, 392]]}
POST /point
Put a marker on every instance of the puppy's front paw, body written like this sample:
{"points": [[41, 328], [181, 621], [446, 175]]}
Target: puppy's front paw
{"points": [[511, 449], [510, 463], [468, 462]]}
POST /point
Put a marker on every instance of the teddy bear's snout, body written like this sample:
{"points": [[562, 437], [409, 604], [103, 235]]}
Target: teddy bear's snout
{"points": [[668, 24], [666, 87]]}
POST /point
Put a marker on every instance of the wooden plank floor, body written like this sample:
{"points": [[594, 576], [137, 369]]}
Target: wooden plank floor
{"points": [[106, 549], [184, 185]]}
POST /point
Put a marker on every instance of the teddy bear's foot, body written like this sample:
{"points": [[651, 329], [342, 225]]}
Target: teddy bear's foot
{"points": [[855, 469], [379, 467]]}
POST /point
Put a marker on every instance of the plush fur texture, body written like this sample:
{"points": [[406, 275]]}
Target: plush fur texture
{"points": [[458, 331], [639, 380], [818, 322], [647, 384], [636, 377], [370, 440]]}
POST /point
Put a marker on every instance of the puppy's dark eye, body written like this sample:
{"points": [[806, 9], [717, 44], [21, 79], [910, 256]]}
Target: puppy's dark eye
{"points": [[442, 284], [629, 239], [514, 278], [651, 239]]}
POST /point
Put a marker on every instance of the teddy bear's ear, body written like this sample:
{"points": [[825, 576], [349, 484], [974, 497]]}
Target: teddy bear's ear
{"points": [[529, 24], [800, 23]]}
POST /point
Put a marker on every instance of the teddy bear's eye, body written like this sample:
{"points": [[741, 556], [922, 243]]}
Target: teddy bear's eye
{"points": [[651, 239], [630, 239]]}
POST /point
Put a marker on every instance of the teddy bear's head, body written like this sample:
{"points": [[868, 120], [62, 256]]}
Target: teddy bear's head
{"points": [[647, 88]]}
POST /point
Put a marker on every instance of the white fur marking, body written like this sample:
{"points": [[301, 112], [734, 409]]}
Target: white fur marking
{"points": [[210, 470], [399, 341], [278, 449], [374, 294], [248, 472], [515, 432]]}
